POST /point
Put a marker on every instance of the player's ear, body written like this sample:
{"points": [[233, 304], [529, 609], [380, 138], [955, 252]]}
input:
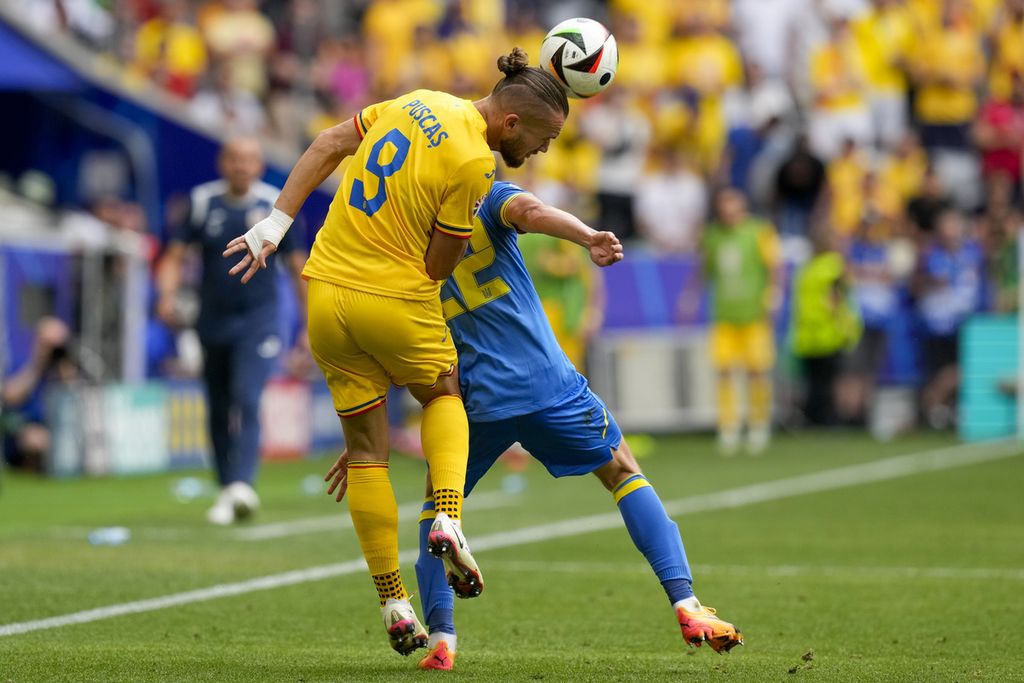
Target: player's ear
{"points": [[510, 122]]}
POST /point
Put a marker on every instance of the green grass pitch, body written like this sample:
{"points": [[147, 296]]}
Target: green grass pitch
{"points": [[913, 578]]}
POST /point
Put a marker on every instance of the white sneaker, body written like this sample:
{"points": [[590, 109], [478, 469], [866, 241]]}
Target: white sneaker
{"points": [[446, 542], [404, 630], [728, 442], [223, 511], [758, 439], [244, 499]]}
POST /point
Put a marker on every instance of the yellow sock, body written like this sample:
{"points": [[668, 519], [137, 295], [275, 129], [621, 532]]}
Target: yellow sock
{"points": [[728, 408], [371, 502], [390, 586], [445, 437], [760, 399]]}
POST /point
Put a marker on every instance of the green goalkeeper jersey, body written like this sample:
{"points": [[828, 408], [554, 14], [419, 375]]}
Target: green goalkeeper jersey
{"points": [[738, 265]]}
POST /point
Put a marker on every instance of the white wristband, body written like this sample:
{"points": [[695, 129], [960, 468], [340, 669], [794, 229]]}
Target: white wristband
{"points": [[271, 229]]}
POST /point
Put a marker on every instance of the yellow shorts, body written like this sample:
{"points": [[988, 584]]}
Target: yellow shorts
{"points": [[365, 342], [750, 347]]}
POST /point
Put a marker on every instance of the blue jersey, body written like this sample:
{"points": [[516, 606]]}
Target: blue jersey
{"points": [[510, 363], [945, 307], [876, 299], [227, 307]]}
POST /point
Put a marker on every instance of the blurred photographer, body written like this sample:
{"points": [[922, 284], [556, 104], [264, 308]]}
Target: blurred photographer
{"points": [[26, 437]]}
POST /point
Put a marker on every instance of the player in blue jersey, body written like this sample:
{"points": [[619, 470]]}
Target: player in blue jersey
{"points": [[518, 385], [238, 325]]}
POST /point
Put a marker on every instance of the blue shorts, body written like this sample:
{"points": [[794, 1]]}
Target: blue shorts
{"points": [[575, 436]]}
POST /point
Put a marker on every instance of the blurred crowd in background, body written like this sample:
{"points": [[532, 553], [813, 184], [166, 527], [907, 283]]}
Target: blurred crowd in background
{"points": [[887, 132]]}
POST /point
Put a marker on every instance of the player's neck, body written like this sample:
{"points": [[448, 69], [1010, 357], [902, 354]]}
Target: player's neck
{"points": [[487, 110]]}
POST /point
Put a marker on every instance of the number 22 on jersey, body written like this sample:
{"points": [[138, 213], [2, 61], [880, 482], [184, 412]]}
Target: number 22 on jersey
{"points": [[474, 292]]}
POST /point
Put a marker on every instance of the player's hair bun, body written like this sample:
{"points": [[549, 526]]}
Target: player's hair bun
{"points": [[514, 62]]}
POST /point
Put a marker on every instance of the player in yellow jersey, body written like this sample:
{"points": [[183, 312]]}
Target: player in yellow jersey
{"points": [[422, 166]]}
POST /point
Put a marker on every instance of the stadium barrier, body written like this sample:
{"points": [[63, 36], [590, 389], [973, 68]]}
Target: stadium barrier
{"points": [[655, 380], [126, 429]]}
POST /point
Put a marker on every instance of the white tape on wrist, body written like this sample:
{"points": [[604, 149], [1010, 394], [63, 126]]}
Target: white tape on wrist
{"points": [[271, 229]]}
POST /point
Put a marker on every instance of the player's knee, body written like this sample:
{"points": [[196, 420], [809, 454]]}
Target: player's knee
{"points": [[621, 467]]}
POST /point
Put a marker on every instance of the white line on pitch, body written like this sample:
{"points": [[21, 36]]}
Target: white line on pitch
{"points": [[309, 525], [783, 570], [826, 480], [486, 500]]}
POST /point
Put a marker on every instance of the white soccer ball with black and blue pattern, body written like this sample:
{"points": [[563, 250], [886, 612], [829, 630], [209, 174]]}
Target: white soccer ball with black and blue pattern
{"points": [[582, 55]]}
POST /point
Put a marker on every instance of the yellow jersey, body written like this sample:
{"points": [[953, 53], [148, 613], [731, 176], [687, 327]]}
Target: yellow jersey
{"points": [[884, 38], [956, 55], [423, 165]]}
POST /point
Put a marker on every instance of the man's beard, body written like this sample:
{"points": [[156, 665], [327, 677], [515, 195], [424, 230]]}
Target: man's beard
{"points": [[509, 155]]}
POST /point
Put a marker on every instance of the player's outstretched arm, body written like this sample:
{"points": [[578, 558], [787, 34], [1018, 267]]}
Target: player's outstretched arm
{"points": [[530, 214], [314, 167]]}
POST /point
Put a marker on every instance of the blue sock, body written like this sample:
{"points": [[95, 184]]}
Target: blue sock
{"points": [[655, 535], [436, 597]]}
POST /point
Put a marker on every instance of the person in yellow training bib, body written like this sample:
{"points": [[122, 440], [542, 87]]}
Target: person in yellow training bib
{"points": [[741, 259], [399, 224]]}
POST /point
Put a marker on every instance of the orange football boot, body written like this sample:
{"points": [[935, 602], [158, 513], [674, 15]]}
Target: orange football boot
{"points": [[439, 658], [705, 626]]}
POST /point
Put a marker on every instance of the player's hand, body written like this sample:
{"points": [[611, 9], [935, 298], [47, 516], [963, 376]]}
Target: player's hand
{"points": [[299, 362], [259, 243], [302, 340], [339, 471], [605, 248], [250, 263]]}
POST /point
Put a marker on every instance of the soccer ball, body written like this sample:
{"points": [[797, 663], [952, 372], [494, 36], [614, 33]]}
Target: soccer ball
{"points": [[582, 55]]}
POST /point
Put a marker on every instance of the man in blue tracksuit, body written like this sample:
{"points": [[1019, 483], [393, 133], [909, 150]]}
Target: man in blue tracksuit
{"points": [[238, 324]]}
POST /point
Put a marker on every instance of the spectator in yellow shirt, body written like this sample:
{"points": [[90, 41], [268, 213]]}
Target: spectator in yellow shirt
{"points": [[389, 27], [884, 35], [698, 14], [947, 67], [905, 168], [428, 64], [846, 174], [170, 50], [708, 64], [243, 37], [980, 14], [643, 65], [1007, 50], [838, 82], [653, 17]]}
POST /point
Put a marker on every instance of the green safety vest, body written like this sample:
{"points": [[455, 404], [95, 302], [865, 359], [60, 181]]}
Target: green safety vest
{"points": [[820, 327]]}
